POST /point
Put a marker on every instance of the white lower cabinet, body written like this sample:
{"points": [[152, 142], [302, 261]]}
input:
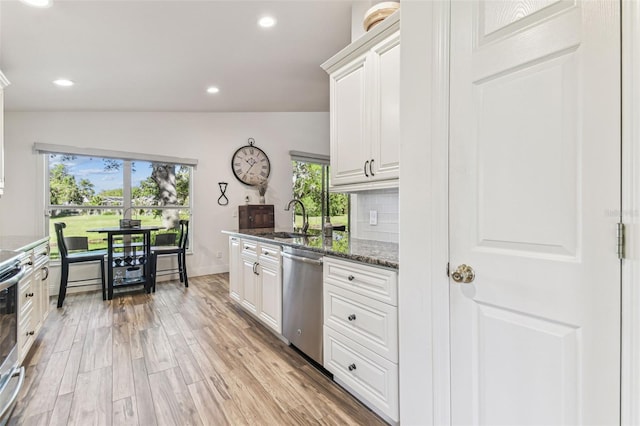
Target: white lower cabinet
{"points": [[250, 284], [361, 332], [33, 297], [255, 279], [271, 294]]}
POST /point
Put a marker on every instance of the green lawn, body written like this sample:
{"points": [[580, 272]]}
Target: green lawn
{"points": [[315, 222]]}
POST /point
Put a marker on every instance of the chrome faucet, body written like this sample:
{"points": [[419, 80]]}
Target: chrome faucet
{"points": [[305, 219]]}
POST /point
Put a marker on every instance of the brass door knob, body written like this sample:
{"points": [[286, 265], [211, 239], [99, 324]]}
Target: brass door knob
{"points": [[464, 274]]}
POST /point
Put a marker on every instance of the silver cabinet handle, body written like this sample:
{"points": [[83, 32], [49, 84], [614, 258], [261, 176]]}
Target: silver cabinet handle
{"points": [[366, 163]]}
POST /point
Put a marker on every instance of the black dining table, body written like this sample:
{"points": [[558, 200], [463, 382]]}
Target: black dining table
{"points": [[128, 256]]}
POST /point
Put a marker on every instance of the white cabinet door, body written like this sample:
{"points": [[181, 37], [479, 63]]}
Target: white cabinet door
{"points": [[385, 110], [27, 321], [250, 284], [534, 169], [271, 295], [235, 269], [349, 122], [43, 293]]}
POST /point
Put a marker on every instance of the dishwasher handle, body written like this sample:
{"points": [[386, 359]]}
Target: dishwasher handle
{"points": [[303, 259]]}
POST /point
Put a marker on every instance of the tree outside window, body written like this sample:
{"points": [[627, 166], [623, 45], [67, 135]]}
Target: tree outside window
{"points": [[311, 186]]}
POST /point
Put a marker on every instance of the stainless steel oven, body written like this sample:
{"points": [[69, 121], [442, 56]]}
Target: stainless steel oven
{"points": [[11, 374]]}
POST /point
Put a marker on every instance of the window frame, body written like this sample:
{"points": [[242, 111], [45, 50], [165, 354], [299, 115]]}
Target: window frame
{"points": [[323, 162], [127, 205]]}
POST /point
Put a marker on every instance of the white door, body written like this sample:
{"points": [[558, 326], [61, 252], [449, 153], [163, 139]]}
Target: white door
{"points": [[534, 186]]}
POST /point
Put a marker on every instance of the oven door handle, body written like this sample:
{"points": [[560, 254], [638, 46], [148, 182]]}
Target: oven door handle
{"points": [[6, 409], [14, 279]]}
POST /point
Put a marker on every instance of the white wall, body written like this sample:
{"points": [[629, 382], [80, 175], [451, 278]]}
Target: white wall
{"points": [[212, 138]]}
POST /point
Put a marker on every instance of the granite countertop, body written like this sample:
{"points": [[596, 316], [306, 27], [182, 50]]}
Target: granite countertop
{"points": [[21, 242], [341, 244]]}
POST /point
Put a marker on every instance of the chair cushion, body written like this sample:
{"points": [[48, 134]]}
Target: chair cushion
{"points": [[86, 255]]}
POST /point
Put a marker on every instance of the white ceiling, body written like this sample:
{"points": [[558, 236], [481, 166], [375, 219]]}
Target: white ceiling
{"points": [[161, 55]]}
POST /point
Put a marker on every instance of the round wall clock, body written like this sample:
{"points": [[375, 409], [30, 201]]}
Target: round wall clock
{"points": [[250, 164]]}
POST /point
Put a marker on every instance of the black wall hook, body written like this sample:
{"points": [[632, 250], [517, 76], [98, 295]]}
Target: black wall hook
{"points": [[223, 200]]}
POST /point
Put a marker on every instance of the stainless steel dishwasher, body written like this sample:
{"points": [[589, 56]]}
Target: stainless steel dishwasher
{"points": [[302, 300]]}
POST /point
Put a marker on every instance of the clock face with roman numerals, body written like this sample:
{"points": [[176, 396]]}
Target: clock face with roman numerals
{"points": [[250, 165]]}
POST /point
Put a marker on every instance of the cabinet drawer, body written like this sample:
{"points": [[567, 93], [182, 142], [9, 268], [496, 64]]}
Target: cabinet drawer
{"points": [[377, 283], [371, 323], [249, 248], [41, 251], [268, 252], [40, 259], [374, 378]]}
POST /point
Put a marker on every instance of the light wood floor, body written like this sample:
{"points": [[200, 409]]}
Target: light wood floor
{"points": [[176, 357]]}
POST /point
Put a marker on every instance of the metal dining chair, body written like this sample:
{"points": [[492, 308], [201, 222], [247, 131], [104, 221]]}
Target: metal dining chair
{"points": [[180, 250], [76, 250]]}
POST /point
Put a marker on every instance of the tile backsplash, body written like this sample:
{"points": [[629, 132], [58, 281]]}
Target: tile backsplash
{"points": [[386, 205]]}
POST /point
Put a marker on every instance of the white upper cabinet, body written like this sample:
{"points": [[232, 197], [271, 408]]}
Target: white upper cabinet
{"points": [[385, 109], [365, 107], [3, 83], [349, 142]]}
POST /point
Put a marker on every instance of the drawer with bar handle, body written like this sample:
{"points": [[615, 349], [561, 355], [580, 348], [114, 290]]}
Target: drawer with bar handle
{"points": [[378, 283]]}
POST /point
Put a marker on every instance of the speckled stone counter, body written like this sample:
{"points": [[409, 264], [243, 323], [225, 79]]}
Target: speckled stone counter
{"points": [[342, 245], [21, 242]]}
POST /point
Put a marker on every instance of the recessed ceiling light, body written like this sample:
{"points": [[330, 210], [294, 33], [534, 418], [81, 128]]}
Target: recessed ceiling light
{"points": [[63, 82], [38, 3], [267, 22], [212, 89]]}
